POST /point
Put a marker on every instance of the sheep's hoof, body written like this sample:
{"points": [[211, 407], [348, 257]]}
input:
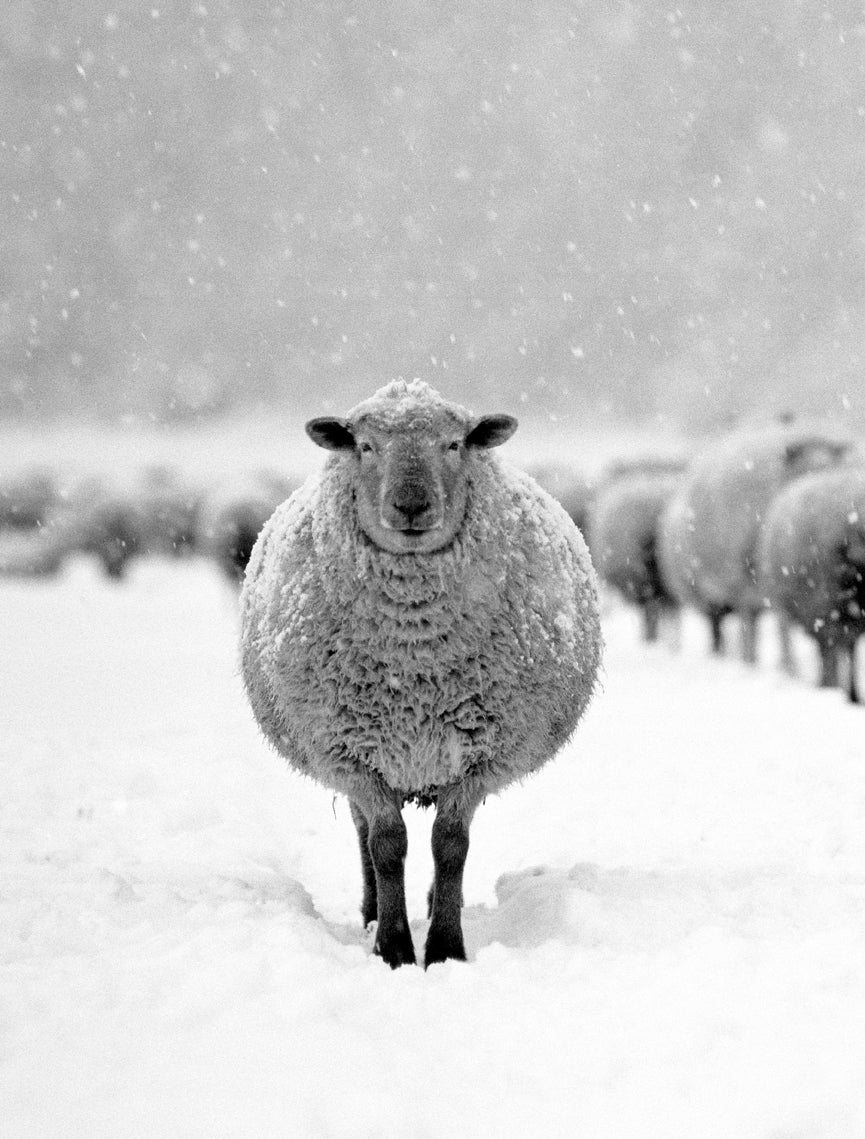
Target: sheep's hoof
{"points": [[395, 950], [444, 945]]}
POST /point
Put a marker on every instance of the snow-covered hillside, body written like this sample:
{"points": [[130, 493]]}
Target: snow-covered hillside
{"points": [[666, 926]]}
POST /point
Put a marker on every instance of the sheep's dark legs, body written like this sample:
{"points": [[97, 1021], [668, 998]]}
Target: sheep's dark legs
{"points": [[369, 905], [851, 680], [651, 620], [387, 845], [788, 659], [450, 846], [716, 618], [853, 693], [828, 665], [749, 619]]}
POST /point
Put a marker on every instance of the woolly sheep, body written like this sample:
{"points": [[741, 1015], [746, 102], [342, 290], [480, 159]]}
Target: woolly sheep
{"points": [[232, 513], [419, 622], [708, 533], [114, 518], [812, 562], [642, 465], [623, 541], [573, 490], [26, 497]]}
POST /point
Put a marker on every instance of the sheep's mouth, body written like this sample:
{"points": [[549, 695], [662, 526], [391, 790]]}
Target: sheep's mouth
{"points": [[412, 539]]}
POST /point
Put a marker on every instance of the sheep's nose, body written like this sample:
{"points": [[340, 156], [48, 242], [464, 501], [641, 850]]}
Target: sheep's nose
{"points": [[411, 504], [411, 512]]}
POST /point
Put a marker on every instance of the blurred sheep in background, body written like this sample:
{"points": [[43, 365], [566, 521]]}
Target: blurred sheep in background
{"points": [[709, 531], [812, 564], [569, 487], [623, 531], [27, 496], [114, 518], [232, 513]]}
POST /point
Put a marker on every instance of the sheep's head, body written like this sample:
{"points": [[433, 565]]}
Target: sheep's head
{"points": [[814, 453], [412, 453]]}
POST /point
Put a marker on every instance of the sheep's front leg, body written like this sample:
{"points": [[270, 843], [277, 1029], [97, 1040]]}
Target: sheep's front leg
{"points": [[450, 846], [387, 845], [750, 620], [853, 693], [828, 664], [716, 630]]}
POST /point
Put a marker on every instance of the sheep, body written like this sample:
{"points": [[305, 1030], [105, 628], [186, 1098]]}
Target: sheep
{"points": [[232, 513], [708, 533], [26, 497], [623, 540], [419, 622], [115, 519], [812, 564], [569, 487]]}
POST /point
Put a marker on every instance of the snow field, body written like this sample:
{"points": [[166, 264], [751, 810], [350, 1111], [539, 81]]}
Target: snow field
{"points": [[666, 926]]}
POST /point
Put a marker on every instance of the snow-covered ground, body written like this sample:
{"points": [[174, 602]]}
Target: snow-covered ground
{"points": [[666, 926]]}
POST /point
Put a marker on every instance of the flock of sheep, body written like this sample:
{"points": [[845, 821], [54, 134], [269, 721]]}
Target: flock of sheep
{"points": [[46, 518], [765, 519], [421, 622]]}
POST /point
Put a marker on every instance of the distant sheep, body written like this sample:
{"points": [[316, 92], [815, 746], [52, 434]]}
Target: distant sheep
{"points": [[27, 496], [113, 518], [708, 533], [419, 622], [569, 487], [812, 561], [623, 530], [232, 513], [647, 464]]}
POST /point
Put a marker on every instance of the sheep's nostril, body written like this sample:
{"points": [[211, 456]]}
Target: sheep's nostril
{"points": [[411, 509]]}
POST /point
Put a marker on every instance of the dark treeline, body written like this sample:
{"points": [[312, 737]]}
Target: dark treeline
{"points": [[591, 207]]}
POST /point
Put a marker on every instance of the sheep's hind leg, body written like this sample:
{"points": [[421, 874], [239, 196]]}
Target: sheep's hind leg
{"points": [[450, 847], [847, 670], [369, 905], [651, 620], [828, 665], [716, 630], [854, 694], [749, 625]]}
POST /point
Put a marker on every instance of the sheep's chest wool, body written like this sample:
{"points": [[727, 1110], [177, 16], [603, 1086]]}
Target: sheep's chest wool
{"points": [[427, 668]]}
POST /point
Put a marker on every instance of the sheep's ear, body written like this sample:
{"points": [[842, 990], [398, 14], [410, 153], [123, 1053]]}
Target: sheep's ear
{"points": [[331, 433], [491, 431]]}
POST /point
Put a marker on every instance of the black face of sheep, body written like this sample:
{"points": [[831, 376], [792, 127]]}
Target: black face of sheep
{"points": [[411, 487]]}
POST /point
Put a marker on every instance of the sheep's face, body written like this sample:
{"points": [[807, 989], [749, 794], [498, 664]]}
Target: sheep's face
{"points": [[411, 476], [814, 454]]}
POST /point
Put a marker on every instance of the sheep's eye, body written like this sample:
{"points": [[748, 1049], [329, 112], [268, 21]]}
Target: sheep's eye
{"points": [[366, 448], [454, 446]]}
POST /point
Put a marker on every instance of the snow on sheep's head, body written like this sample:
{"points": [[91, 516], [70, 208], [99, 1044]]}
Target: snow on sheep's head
{"points": [[412, 452]]}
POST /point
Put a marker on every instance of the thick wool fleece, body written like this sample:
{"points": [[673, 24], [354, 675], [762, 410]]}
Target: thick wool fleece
{"points": [[711, 530], [470, 665], [812, 553], [623, 530]]}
